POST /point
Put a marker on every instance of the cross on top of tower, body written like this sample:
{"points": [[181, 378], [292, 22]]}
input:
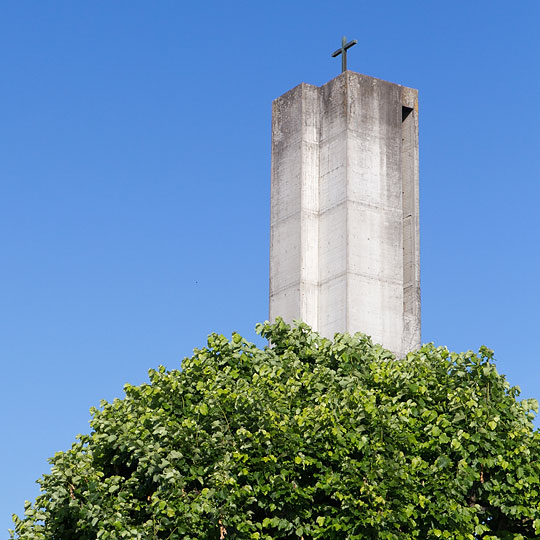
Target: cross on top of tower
{"points": [[343, 52]]}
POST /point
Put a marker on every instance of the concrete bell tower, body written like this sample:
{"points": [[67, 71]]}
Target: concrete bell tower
{"points": [[344, 240]]}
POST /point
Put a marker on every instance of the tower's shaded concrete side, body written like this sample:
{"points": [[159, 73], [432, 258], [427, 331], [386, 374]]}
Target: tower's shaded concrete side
{"points": [[344, 249]]}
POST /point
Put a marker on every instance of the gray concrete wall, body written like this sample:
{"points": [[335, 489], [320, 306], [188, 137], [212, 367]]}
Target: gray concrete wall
{"points": [[344, 254]]}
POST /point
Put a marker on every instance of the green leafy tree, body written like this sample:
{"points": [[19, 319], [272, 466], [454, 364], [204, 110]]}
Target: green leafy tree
{"points": [[307, 438]]}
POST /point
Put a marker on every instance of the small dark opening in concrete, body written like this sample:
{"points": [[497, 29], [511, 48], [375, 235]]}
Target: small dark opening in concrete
{"points": [[405, 111]]}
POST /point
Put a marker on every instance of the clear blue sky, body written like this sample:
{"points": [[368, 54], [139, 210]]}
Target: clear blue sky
{"points": [[135, 174]]}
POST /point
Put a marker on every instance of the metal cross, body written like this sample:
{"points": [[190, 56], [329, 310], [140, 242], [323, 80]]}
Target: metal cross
{"points": [[343, 52]]}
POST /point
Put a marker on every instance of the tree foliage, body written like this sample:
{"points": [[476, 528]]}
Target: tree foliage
{"points": [[307, 438]]}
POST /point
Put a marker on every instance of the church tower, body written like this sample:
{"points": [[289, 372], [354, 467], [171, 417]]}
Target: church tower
{"points": [[344, 247]]}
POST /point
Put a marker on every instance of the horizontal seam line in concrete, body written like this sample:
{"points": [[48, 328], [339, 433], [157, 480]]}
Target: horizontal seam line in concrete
{"points": [[360, 131], [328, 172], [362, 204], [330, 137], [334, 206], [411, 283], [301, 138], [294, 285], [360, 274], [302, 211]]}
